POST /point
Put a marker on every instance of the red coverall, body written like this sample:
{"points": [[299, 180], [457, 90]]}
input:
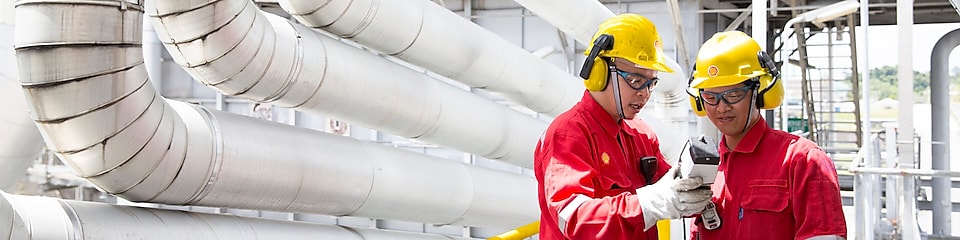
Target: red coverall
{"points": [[775, 185], [587, 180]]}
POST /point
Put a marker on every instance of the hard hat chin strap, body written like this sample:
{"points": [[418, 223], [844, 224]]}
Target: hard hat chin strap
{"points": [[616, 89], [753, 99]]}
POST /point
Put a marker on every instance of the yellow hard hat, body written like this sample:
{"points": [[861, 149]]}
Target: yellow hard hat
{"points": [[730, 58], [628, 36]]}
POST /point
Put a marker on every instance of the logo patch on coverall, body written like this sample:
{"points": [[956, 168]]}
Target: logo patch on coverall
{"points": [[605, 159]]}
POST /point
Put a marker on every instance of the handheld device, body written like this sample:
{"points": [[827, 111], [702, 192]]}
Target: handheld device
{"points": [[710, 218], [702, 160]]}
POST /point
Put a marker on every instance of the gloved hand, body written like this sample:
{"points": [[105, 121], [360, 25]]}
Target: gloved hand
{"points": [[672, 198]]}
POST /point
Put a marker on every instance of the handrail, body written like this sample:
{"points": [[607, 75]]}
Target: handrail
{"points": [[904, 171], [522, 232], [901, 210]]}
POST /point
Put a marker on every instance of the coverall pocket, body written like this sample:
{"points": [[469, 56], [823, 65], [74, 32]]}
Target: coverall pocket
{"points": [[766, 195]]}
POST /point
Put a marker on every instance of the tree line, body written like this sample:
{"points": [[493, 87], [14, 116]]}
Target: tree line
{"points": [[883, 83]]}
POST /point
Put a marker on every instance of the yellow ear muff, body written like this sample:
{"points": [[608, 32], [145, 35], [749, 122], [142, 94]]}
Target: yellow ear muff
{"points": [[598, 75], [594, 70], [771, 96], [696, 104], [770, 93]]}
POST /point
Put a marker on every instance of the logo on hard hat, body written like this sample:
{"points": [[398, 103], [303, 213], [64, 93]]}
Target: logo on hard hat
{"points": [[657, 44], [713, 70]]}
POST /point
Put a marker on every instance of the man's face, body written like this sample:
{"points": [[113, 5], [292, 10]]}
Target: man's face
{"points": [[636, 84], [729, 107]]}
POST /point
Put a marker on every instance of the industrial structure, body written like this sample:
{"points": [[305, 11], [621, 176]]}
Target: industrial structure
{"points": [[289, 119]]}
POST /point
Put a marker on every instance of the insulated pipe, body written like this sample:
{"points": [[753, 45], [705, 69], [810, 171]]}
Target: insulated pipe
{"points": [[430, 36], [153, 55], [589, 15], [33, 217], [20, 142], [671, 113], [940, 129], [91, 98], [670, 95], [244, 52], [905, 145]]}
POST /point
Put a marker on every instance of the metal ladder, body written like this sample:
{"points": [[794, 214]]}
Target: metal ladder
{"points": [[831, 89]]}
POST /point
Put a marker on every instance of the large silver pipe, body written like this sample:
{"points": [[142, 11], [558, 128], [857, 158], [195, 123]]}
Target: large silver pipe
{"points": [[940, 129], [670, 96], [89, 93], [430, 36], [20, 142], [153, 55], [44, 218], [244, 52]]}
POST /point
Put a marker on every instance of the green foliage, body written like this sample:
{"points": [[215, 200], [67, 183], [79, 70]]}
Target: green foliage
{"points": [[883, 84], [954, 77]]}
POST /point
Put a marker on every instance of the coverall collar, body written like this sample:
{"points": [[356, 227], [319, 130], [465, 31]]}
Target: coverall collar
{"points": [[600, 116], [750, 140]]}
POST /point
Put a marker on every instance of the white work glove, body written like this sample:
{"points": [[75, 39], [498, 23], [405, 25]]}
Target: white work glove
{"points": [[672, 198]]}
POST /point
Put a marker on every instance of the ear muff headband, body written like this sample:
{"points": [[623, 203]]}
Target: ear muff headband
{"points": [[594, 67]]}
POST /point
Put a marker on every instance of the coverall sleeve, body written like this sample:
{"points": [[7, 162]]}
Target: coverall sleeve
{"points": [[817, 206], [570, 185]]}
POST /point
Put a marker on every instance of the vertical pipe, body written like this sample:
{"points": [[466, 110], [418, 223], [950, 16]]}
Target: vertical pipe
{"points": [[853, 80], [872, 206], [874, 197], [153, 55], [860, 203], [830, 137], [905, 97], [891, 157], [674, 10], [905, 82], [759, 22], [759, 33], [863, 53], [940, 132]]}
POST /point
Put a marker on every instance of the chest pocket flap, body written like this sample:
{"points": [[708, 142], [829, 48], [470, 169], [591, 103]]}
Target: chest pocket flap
{"points": [[766, 195]]}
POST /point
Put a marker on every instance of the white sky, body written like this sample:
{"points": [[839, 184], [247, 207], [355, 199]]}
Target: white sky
{"points": [[883, 44]]}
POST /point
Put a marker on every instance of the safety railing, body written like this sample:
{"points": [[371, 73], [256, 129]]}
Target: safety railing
{"points": [[522, 232], [525, 231], [900, 221]]}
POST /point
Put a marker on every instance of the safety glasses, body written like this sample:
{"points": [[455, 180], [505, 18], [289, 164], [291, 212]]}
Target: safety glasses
{"points": [[732, 96], [638, 82]]}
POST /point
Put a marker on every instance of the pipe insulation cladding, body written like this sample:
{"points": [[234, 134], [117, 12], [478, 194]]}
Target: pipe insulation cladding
{"points": [[244, 52], [103, 118], [44, 218]]}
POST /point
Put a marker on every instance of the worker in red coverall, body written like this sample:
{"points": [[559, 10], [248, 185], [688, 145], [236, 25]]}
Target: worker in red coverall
{"points": [[594, 171], [770, 184]]}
